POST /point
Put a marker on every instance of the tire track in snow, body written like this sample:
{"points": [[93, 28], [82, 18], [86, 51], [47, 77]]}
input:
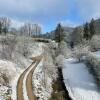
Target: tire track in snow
{"points": [[29, 88], [20, 84], [24, 84]]}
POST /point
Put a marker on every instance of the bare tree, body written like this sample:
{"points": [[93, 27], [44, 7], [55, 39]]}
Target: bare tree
{"points": [[23, 45], [5, 22], [8, 46], [30, 29]]}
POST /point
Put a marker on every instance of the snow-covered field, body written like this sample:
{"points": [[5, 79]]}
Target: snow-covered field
{"points": [[7, 74], [79, 82]]}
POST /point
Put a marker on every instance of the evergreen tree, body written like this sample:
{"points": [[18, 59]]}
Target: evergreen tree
{"points": [[86, 34], [92, 28], [0, 27], [59, 33], [76, 36], [89, 30]]}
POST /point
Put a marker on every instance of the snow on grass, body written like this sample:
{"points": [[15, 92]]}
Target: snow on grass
{"points": [[79, 82], [22, 61], [36, 49], [7, 69], [42, 92], [19, 60], [3, 91]]}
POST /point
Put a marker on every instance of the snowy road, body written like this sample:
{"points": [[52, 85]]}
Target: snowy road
{"points": [[24, 85], [79, 82]]}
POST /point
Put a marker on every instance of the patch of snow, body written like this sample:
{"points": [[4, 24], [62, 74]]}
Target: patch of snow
{"points": [[8, 69], [41, 91], [3, 91], [79, 82]]}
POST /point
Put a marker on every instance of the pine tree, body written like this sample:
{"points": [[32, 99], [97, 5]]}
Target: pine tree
{"points": [[92, 28], [0, 27], [59, 33], [86, 34]]}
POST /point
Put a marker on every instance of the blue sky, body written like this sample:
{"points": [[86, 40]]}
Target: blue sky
{"points": [[48, 13]]}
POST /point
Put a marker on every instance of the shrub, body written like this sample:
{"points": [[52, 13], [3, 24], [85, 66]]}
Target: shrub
{"points": [[80, 51], [95, 43], [93, 64]]}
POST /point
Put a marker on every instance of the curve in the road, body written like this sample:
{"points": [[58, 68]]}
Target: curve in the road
{"points": [[29, 87], [20, 84]]}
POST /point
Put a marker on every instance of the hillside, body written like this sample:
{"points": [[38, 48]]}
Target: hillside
{"points": [[66, 31], [97, 26]]}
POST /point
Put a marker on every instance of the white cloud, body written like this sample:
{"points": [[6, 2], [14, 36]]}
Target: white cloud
{"points": [[49, 11], [69, 23], [38, 11], [89, 8], [33, 6]]}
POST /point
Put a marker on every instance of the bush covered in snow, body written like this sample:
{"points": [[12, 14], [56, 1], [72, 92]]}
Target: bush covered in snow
{"points": [[59, 60], [44, 75], [8, 44], [80, 51], [7, 72], [48, 63], [95, 43], [18, 49], [93, 64], [64, 49]]}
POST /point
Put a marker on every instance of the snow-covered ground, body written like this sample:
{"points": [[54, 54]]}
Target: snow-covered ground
{"points": [[35, 50], [79, 82], [7, 74], [42, 92], [42, 78], [97, 53]]}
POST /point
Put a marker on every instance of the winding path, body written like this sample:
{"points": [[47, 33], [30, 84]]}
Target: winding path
{"points": [[29, 87]]}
